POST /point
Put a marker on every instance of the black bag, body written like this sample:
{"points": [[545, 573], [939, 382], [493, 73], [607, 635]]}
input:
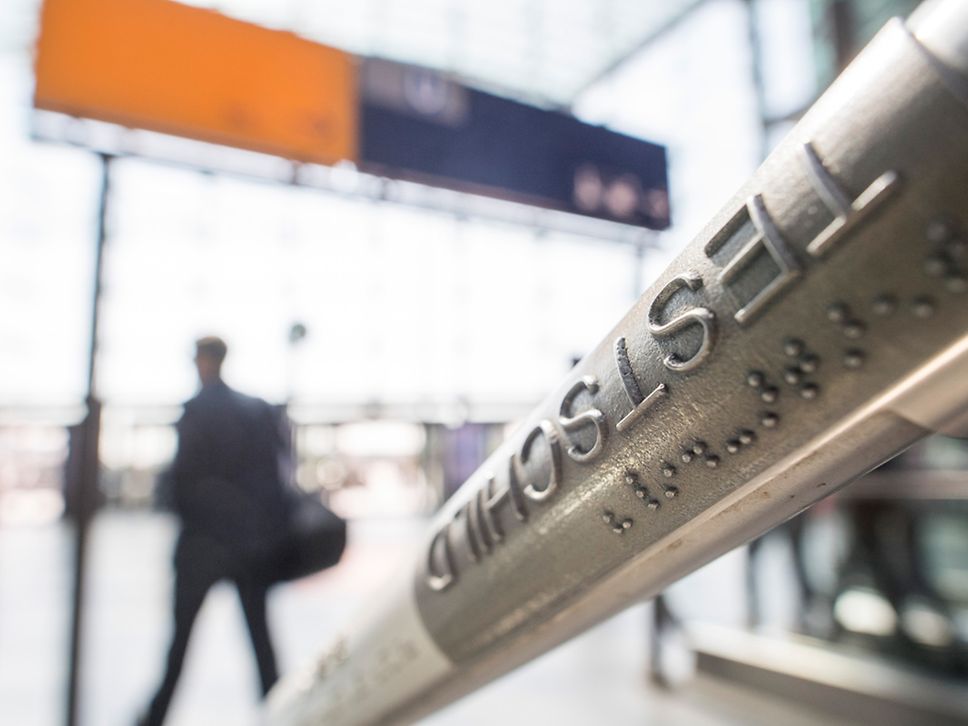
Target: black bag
{"points": [[313, 540]]}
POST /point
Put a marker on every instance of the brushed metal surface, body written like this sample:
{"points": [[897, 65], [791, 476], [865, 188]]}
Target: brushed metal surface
{"points": [[387, 657]]}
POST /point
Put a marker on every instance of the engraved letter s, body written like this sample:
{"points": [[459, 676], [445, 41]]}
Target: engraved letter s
{"points": [[592, 416], [693, 316]]}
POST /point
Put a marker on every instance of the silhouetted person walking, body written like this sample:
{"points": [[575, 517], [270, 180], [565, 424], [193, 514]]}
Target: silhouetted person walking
{"points": [[229, 495]]}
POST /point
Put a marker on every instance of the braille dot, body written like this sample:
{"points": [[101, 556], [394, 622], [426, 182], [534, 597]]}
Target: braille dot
{"points": [[923, 307], [640, 493], [631, 477], [686, 456], [793, 347], [654, 504], [809, 363], [616, 526], [956, 283], [809, 391], [957, 248], [746, 437], [770, 420], [854, 359], [884, 305], [792, 376], [755, 379], [668, 471], [671, 492], [769, 395], [937, 231], [935, 266], [699, 448], [732, 446], [837, 313], [854, 329], [712, 461]]}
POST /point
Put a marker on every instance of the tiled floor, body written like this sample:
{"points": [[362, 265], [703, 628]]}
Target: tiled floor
{"points": [[595, 679]]}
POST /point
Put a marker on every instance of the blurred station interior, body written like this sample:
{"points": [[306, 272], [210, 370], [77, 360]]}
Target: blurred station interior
{"points": [[407, 318]]}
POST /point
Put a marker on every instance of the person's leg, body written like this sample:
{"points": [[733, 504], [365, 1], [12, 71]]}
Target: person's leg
{"points": [[664, 623], [752, 583], [253, 596], [193, 578]]}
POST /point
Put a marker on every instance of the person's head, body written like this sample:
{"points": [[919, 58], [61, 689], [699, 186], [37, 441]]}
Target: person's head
{"points": [[210, 351]]}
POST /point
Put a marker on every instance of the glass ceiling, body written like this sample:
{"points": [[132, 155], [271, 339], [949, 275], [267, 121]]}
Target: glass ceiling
{"points": [[450, 307], [543, 50]]}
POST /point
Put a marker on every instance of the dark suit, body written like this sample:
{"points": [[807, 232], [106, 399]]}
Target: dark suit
{"points": [[230, 498]]}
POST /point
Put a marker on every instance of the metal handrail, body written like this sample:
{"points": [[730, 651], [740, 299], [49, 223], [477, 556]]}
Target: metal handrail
{"points": [[815, 328]]}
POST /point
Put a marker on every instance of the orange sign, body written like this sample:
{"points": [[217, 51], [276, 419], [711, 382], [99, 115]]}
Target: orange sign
{"points": [[160, 65]]}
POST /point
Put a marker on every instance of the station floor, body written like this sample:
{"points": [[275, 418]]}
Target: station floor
{"points": [[598, 678]]}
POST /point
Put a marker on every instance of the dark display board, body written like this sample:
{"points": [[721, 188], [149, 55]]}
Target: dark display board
{"points": [[417, 124]]}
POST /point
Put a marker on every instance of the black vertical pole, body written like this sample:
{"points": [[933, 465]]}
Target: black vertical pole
{"points": [[84, 494], [753, 614], [638, 278], [840, 15], [757, 80]]}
